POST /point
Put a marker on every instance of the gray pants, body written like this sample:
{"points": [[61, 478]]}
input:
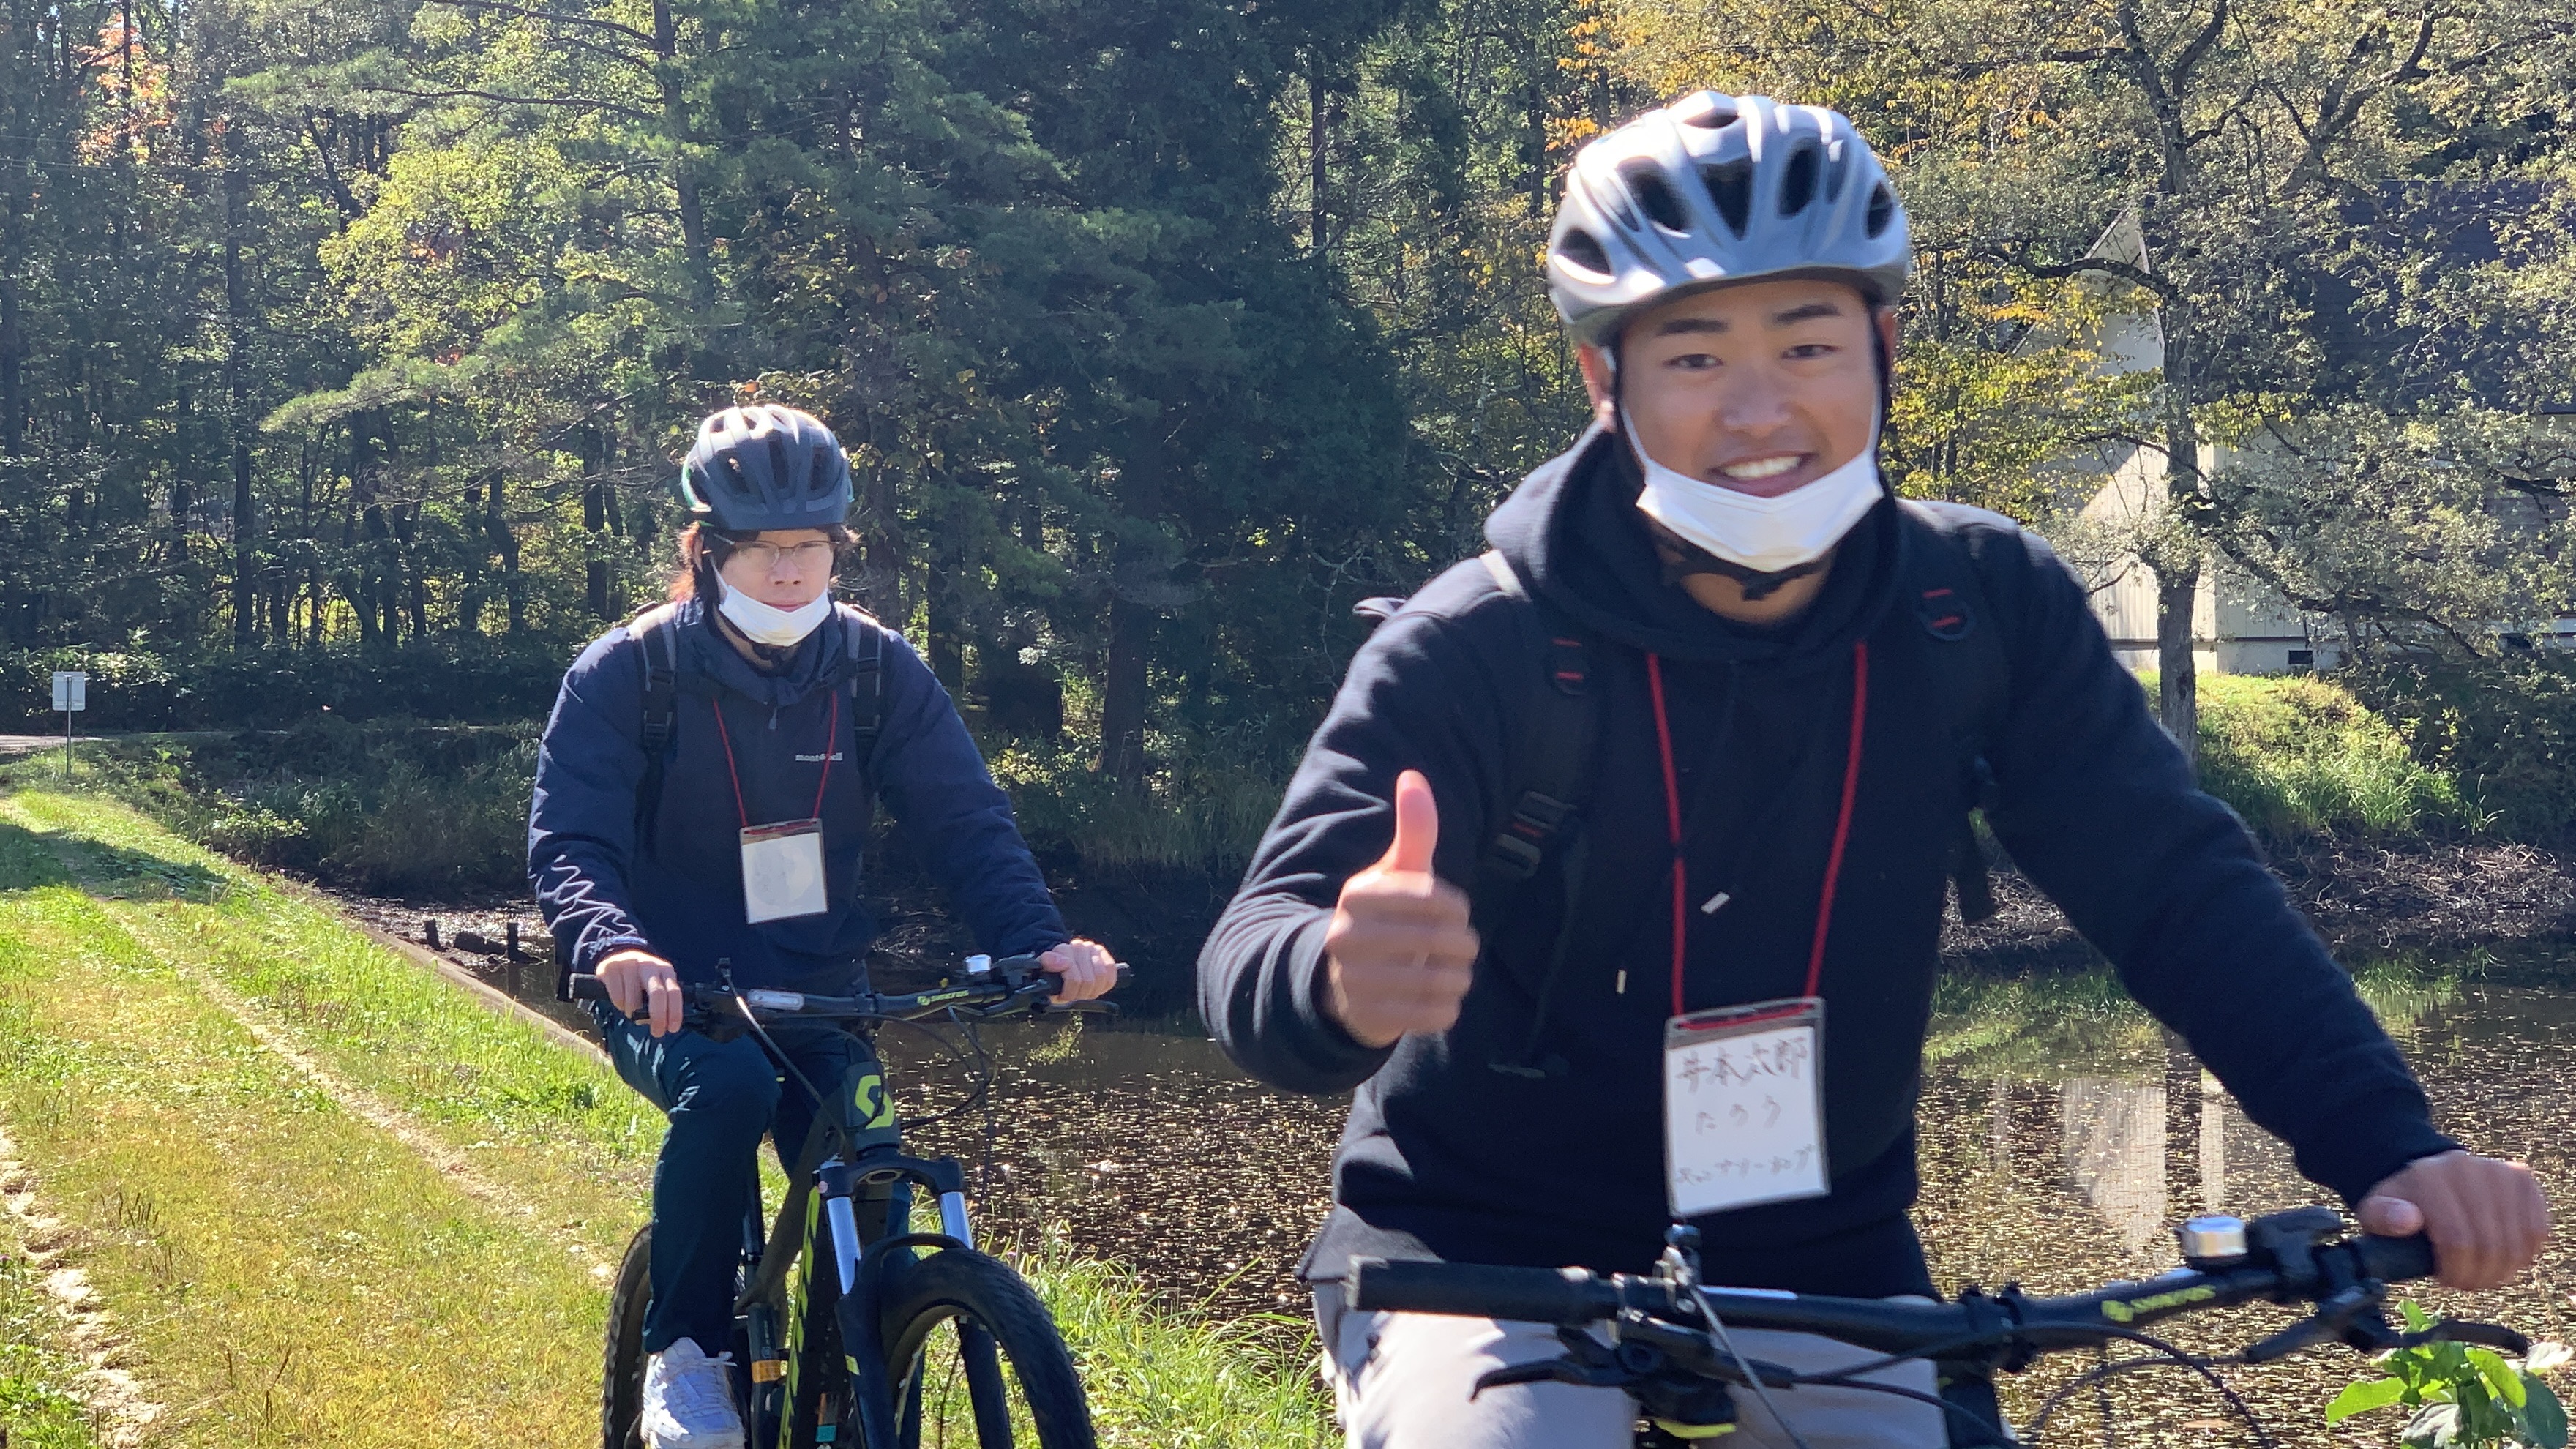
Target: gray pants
{"points": [[1402, 1381]]}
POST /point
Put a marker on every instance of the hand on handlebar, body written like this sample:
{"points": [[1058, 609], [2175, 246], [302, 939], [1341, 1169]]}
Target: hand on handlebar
{"points": [[1086, 968], [2487, 1218], [637, 980]]}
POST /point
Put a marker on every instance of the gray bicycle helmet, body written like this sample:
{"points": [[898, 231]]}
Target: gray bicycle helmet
{"points": [[763, 467], [1714, 189]]}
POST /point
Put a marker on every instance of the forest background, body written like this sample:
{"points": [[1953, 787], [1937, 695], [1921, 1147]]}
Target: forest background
{"points": [[346, 346]]}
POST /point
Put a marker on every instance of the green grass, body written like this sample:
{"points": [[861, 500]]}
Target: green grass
{"points": [[38, 1409], [1164, 1378], [296, 1270], [2299, 757]]}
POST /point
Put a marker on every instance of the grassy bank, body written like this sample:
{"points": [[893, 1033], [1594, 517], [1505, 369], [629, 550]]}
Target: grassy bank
{"points": [[336, 1201], [2300, 756]]}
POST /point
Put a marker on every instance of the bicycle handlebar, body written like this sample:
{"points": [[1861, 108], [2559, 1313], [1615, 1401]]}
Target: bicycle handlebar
{"points": [[1013, 985], [2288, 1272]]}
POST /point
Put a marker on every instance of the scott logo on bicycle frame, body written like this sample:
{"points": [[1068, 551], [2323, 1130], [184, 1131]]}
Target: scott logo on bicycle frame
{"points": [[2121, 1311], [870, 1104]]}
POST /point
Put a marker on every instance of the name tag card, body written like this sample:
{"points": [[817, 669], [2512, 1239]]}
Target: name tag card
{"points": [[782, 871], [1744, 1105]]}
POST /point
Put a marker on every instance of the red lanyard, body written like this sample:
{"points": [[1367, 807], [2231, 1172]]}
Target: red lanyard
{"points": [[1842, 821], [831, 737]]}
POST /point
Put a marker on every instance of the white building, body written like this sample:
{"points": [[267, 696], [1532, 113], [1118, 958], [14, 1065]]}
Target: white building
{"points": [[2238, 625]]}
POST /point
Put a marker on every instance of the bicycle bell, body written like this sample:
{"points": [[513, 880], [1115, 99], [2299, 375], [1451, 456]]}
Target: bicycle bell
{"points": [[2214, 1241]]}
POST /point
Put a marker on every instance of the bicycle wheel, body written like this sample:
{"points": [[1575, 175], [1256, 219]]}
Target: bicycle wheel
{"points": [[976, 1360], [621, 1369]]}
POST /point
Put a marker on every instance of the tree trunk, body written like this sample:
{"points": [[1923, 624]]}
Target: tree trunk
{"points": [[1318, 135], [684, 183], [1124, 689], [594, 521], [514, 586], [236, 303], [1122, 701], [13, 346], [2179, 549]]}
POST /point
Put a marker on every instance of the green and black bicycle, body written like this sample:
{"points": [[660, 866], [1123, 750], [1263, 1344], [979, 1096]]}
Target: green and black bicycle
{"points": [[851, 1328]]}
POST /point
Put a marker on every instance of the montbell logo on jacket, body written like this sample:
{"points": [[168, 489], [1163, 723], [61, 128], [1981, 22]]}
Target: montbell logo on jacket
{"points": [[1449, 1156]]}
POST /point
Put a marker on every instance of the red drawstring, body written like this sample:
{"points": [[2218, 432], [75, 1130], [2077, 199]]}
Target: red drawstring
{"points": [[1672, 820], [1842, 821], [831, 737]]}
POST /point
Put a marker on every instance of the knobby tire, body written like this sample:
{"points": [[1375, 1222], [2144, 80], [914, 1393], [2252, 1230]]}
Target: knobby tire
{"points": [[1000, 1320], [621, 1370]]}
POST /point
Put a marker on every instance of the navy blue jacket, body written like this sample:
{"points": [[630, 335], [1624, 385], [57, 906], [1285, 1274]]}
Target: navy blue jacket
{"points": [[1445, 1157], [600, 891]]}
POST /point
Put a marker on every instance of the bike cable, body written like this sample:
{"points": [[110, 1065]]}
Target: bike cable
{"points": [[779, 1054], [1726, 1341], [2165, 1354]]}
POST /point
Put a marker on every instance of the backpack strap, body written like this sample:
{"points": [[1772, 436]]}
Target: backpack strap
{"points": [[657, 629], [1551, 765], [1971, 678], [863, 678]]}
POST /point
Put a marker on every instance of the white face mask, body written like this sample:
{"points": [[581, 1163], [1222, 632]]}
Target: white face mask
{"points": [[777, 628], [1765, 535]]}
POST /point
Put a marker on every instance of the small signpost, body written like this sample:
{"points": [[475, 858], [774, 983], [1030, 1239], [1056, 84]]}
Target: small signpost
{"points": [[71, 696]]}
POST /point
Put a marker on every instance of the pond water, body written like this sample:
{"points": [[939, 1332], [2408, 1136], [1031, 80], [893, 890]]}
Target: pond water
{"points": [[2062, 1135]]}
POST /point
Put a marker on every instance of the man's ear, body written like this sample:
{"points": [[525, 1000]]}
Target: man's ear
{"points": [[1598, 380], [1885, 317]]}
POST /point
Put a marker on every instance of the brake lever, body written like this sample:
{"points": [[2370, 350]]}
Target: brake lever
{"points": [[2350, 1317], [2461, 1330], [1586, 1363]]}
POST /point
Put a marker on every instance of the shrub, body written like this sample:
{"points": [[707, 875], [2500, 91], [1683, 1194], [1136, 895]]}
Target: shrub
{"points": [[472, 680], [400, 808], [2299, 756], [2506, 729]]}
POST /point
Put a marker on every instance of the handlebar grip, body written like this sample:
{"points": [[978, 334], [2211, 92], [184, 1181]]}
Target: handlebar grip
{"points": [[1475, 1290], [2394, 1260], [1054, 983], [588, 988]]}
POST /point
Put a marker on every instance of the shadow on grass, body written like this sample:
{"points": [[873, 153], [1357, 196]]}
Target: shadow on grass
{"points": [[32, 860]]}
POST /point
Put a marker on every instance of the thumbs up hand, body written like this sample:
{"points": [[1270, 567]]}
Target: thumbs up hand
{"points": [[1400, 952]]}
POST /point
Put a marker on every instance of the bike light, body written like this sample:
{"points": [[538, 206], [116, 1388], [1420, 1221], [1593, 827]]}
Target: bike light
{"points": [[2213, 1241]]}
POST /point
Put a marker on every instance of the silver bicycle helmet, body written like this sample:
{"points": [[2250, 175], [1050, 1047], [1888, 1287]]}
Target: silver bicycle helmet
{"points": [[1713, 189]]}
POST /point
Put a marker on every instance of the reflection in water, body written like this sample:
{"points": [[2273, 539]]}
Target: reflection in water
{"points": [[2112, 1137]]}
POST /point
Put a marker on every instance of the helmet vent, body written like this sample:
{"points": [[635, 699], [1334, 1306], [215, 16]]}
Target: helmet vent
{"points": [[1730, 185], [1655, 196], [1837, 168], [819, 470], [1707, 110], [1882, 209], [1798, 181], [1582, 251]]}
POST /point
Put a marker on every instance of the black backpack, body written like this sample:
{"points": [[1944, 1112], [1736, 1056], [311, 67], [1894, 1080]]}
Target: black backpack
{"points": [[1552, 751], [862, 684]]}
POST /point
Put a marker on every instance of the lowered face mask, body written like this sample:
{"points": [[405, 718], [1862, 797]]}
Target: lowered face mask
{"points": [[1761, 535], [762, 624]]}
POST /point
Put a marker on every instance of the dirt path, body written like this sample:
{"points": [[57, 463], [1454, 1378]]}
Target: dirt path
{"points": [[117, 1401]]}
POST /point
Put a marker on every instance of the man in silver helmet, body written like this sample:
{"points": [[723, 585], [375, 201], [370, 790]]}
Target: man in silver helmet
{"points": [[1683, 764]]}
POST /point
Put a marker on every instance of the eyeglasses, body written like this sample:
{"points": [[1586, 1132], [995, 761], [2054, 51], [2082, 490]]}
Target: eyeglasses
{"points": [[814, 555]]}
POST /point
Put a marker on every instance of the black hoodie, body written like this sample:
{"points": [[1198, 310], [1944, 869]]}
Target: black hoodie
{"points": [[1445, 1157]]}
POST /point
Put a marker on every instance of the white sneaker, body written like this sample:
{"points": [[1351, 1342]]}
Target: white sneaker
{"points": [[688, 1400]]}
